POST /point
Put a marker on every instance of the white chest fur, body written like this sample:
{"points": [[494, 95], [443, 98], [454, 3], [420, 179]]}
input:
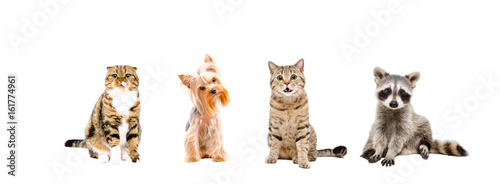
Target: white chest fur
{"points": [[123, 100]]}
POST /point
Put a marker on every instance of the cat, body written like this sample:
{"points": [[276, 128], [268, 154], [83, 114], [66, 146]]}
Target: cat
{"points": [[114, 125], [290, 134]]}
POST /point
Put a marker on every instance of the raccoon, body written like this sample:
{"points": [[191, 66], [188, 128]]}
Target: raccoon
{"points": [[397, 129]]}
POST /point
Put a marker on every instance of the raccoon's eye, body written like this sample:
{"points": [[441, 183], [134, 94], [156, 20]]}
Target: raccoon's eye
{"points": [[293, 77], [387, 90], [115, 76], [127, 75], [213, 80], [202, 88], [280, 78], [402, 92]]}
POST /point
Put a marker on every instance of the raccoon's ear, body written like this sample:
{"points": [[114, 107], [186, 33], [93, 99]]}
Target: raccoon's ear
{"points": [[300, 65], [413, 77], [379, 74], [272, 67], [186, 80], [208, 59]]}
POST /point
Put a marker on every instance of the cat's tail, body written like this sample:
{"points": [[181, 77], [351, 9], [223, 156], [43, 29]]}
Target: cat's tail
{"points": [[78, 143], [339, 151], [451, 148]]}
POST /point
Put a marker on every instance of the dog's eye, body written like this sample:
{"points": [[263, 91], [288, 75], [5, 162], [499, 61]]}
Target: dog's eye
{"points": [[293, 77], [202, 88], [387, 90], [213, 80], [280, 78], [115, 76], [402, 92], [127, 76]]}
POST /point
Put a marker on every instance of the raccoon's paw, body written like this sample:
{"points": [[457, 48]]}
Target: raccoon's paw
{"points": [[103, 158], [368, 153], [271, 160], [340, 151], [374, 158], [388, 162], [305, 164], [424, 152]]}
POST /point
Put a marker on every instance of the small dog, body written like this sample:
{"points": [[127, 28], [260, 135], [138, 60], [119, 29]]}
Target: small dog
{"points": [[203, 130]]}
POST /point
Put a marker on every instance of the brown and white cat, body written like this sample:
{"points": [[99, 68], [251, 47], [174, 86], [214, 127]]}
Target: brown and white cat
{"points": [[290, 134], [114, 123]]}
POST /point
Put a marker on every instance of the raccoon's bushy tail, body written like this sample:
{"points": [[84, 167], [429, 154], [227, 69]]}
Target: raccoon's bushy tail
{"points": [[339, 151], [451, 148], [79, 143]]}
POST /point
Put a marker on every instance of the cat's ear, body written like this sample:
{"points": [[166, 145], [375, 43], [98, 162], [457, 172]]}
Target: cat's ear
{"points": [[272, 67], [208, 59], [379, 74], [300, 65], [186, 80], [109, 67], [135, 68], [413, 77]]}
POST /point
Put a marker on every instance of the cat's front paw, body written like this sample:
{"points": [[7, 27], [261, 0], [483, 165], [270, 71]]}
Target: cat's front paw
{"points": [[103, 158], [374, 158], [295, 160], [305, 164], [135, 157], [388, 162], [271, 160]]}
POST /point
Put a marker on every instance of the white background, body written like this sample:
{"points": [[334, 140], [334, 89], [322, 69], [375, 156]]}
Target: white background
{"points": [[61, 72]]}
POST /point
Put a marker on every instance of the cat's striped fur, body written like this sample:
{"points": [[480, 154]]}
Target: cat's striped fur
{"points": [[114, 122], [290, 134]]}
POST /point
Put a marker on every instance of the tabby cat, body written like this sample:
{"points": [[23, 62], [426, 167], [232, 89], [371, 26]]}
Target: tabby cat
{"points": [[114, 123], [290, 134]]}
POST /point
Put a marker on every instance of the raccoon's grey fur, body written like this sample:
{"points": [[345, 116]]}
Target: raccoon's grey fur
{"points": [[398, 130]]}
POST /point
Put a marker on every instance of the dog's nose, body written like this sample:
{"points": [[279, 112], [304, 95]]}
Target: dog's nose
{"points": [[393, 104], [213, 91]]}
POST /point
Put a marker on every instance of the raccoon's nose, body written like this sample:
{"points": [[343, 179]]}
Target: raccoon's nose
{"points": [[393, 104], [213, 91]]}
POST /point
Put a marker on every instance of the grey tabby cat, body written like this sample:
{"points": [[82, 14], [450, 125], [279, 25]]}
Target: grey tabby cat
{"points": [[291, 137]]}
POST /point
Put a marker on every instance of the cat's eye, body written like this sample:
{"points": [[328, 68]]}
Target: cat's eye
{"points": [[293, 77], [115, 76], [280, 78], [402, 92], [387, 90], [213, 80], [127, 75], [202, 88]]}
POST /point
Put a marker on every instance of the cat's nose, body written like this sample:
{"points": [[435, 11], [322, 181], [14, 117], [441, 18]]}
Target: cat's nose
{"points": [[213, 91]]}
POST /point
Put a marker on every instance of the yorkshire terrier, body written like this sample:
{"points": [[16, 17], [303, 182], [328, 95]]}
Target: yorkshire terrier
{"points": [[203, 130]]}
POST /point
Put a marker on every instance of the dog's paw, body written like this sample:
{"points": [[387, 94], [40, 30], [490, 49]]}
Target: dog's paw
{"points": [[219, 159], [374, 158], [388, 162], [271, 160], [192, 159], [305, 164]]}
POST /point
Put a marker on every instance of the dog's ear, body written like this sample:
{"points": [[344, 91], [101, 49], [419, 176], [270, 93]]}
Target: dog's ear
{"points": [[379, 74], [186, 80], [272, 67], [300, 65], [413, 77], [208, 59]]}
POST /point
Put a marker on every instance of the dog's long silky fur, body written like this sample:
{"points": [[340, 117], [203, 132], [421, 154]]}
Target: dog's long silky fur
{"points": [[203, 130]]}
